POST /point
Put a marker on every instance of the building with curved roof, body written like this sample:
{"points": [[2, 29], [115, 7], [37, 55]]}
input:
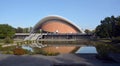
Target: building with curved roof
{"points": [[58, 29], [56, 24]]}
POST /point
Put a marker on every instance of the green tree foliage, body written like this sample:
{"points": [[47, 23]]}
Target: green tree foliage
{"points": [[6, 31], [23, 30], [26, 30], [117, 27], [109, 27], [19, 30], [8, 40], [39, 31], [87, 31]]}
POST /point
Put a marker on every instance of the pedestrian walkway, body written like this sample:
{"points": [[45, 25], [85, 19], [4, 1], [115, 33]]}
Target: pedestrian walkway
{"points": [[60, 60]]}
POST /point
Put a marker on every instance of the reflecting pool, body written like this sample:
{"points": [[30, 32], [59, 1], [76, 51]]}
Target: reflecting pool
{"points": [[95, 47], [53, 49], [27, 48], [87, 49], [61, 49]]}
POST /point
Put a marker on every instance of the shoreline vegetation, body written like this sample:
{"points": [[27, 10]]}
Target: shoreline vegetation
{"points": [[100, 42]]}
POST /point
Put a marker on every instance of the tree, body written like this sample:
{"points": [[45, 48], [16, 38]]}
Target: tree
{"points": [[117, 27], [23, 30], [8, 40], [19, 30], [109, 27], [87, 31], [30, 29], [6, 31]]}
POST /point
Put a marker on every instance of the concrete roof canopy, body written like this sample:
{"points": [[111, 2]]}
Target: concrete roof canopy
{"points": [[56, 23]]}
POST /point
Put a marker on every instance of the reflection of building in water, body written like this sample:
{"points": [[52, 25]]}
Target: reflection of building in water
{"points": [[60, 49]]}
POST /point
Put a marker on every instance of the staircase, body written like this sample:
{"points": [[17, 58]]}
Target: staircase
{"points": [[32, 37]]}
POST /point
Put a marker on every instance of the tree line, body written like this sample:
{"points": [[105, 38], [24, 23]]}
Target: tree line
{"points": [[6, 31], [23, 30], [109, 27], [9, 31]]}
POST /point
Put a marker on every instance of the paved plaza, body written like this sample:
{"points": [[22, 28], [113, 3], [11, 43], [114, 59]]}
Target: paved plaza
{"points": [[60, 60]]}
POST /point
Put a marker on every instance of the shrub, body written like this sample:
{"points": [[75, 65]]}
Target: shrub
{"points": [[7, 52], [116, 40], [0, 47], [19, 51], [9, 48], [28, 52], [8, 40], [39, 51]]}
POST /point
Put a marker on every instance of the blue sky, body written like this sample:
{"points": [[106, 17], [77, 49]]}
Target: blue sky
{"points": [[83, 13]]}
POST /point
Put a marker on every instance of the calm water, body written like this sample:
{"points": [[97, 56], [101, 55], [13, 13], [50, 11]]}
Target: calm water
{"points": [[65, 49], [27, 48], [97, 48], [75, 48], [87, 49]]}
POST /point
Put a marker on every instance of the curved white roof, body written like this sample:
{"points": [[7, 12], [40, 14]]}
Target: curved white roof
{"points": [[55, 17]]}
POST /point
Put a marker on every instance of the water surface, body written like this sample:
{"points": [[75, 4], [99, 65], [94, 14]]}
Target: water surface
{"points": [[87, 49]]}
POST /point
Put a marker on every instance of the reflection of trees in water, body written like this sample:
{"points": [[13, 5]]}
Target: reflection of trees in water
{"points": [[104, 49]]}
